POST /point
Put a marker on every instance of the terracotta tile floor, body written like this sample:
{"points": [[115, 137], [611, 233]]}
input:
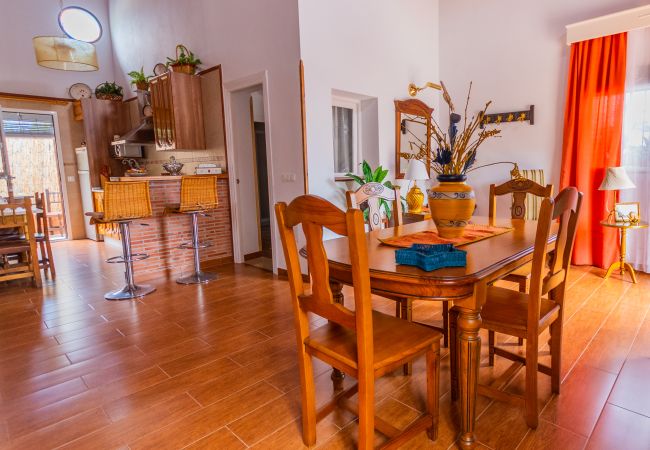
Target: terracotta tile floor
{"points": [[215, 367]]}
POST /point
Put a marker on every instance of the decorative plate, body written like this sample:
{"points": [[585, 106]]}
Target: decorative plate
{"points": [[159, 69], [80, 90]]}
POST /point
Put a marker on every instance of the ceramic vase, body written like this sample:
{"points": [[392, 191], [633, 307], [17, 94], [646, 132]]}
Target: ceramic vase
{"points": [[452, 204]]}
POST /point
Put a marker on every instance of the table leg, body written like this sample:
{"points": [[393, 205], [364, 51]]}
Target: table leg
{"points": [[469, 348], [337, 294]]}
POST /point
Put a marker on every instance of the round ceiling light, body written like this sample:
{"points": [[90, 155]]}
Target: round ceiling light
{"points": [[79, 23]]}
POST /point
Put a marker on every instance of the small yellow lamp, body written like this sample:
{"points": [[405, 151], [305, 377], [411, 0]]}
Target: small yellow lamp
{"points": [[415, 198]]}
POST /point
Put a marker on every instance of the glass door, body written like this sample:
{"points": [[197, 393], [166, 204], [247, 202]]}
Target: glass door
{"points": [[31, 163]]}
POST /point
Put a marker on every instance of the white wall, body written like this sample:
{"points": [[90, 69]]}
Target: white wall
{"points": [[246, 38], [374, 48], [20, 21], [515, 53]]}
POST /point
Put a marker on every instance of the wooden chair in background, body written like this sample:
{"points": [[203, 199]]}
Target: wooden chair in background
{"points": [[19, 216], [46, 259], [527, 315], [371, 193], [363, 343], [521, 189], [55, 217]]}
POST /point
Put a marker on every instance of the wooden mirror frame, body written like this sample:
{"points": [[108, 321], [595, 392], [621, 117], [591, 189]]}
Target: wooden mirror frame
{"points": [[412, 108]]}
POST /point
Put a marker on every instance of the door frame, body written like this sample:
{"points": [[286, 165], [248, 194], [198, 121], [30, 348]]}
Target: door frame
{"points": [[229, 89], [59, 158]]}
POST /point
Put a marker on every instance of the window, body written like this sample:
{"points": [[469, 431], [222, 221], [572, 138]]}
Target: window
{"points": [[79, 23], [346, 134]]}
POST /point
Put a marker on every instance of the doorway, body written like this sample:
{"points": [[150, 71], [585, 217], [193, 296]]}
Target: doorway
{"points": [[31, 162], [250, 160]]}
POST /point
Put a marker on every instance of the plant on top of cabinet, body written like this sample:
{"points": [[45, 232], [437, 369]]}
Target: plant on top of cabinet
{"points": [[109, 91], [139, 79], [184, 62]]}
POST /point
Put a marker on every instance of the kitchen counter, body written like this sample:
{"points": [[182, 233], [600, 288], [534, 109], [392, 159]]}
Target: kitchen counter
{"points": [[165, 232], [165, 177]]}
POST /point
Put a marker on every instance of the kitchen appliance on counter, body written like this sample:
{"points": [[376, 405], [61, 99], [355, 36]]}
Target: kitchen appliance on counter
{"points": [[86, 192], [207, 169]]}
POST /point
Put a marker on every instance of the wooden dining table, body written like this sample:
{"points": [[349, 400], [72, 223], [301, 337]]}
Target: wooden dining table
{"points": [[488, 260]]}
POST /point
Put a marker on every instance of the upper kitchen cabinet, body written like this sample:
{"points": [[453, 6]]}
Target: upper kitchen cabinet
{"points": [[177, 111]]}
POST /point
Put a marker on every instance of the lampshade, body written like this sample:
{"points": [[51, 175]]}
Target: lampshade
{"points": [[616, 178], [63, 53], [416, 171]]}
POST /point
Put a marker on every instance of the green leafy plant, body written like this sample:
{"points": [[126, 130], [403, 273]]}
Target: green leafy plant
{"points": [[183, 57], [139, 78], [109, 89], [373, 176]]}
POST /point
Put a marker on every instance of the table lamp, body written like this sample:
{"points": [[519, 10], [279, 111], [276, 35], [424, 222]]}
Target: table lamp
{"points": [[415, 198], [616, 178]]}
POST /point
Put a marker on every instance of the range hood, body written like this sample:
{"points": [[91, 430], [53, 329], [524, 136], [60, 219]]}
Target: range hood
{"points": [[130, 144], [140, 135]]}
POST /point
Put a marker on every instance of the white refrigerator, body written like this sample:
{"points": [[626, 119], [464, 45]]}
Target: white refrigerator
{"points": [[86, 191]]}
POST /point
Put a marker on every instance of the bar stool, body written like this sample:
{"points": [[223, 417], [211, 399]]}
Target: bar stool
{"points": [[198, 195], [124, 202]]}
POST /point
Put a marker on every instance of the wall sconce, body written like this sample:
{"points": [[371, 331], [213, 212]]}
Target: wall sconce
{"points": [[413, 89]]}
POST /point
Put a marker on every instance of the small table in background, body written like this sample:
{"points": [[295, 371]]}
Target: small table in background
{"points": [[621, 264]]}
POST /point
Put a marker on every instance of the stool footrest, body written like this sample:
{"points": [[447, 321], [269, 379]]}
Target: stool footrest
{"points": [[190, 245], [121, 259]]}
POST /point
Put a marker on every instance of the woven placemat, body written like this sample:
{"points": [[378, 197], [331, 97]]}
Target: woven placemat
{"points": [[473, 233]]}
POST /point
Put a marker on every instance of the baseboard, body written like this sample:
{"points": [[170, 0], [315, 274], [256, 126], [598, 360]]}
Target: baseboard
{"points": [[253, 255], [284, 275]]}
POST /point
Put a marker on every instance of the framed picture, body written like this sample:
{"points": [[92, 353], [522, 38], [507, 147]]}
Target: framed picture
{"points": [[626, 211]]}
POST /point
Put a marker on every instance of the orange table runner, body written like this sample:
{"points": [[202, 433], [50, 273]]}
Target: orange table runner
{"points": [[473, 233]]}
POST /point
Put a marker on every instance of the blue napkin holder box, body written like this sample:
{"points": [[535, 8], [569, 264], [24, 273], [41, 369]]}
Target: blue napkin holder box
{"points": [[431, 256]]}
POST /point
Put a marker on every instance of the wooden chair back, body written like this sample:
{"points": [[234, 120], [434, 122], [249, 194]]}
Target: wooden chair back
{"points": [[549, 276], [18, 214], [314, 214], [198, 193], [371, 194], [53, 198], [519, 188], [126, 200], [42, 226]]}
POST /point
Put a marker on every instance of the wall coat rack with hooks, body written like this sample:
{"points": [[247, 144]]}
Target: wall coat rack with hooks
{"points": [[511, 116]]}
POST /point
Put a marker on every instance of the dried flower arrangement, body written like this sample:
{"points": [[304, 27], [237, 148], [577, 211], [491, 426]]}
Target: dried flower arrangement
{"points": [[455, 152]]}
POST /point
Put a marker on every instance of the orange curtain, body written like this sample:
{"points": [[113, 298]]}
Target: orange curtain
{"points": [[593, 127]]}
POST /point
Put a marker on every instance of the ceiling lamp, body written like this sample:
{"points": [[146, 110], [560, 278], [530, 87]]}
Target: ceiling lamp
{"points": [[62, 53]]}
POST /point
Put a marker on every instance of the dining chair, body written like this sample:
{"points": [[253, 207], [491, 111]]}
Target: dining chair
{"points": [[362, 343], [371, 194], [19, 216], [527, 315], [521, 189], [55, 217], [42, 236]]}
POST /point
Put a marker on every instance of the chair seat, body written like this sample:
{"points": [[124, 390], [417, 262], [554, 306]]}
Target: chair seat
{"points": [[395, 341], [12, 247], [506, 311], [521, 273]]}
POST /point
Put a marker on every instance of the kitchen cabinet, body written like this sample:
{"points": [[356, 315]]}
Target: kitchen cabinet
{"points": [[177, 112], [103, 120]]}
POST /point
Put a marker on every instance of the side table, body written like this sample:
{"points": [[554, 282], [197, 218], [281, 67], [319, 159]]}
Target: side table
{"points": [[621, 264]]}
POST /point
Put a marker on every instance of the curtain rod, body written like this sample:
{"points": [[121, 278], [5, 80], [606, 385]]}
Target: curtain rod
{"points": [[619, 22]]}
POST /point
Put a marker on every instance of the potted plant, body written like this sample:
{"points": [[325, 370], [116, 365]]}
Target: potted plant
{"points": [[109, 91], [373, 176], [452, 201], [184, 62], [139, 79]]}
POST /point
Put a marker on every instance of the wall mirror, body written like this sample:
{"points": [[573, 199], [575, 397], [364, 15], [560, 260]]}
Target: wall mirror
{"points": [[412, 131]]}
